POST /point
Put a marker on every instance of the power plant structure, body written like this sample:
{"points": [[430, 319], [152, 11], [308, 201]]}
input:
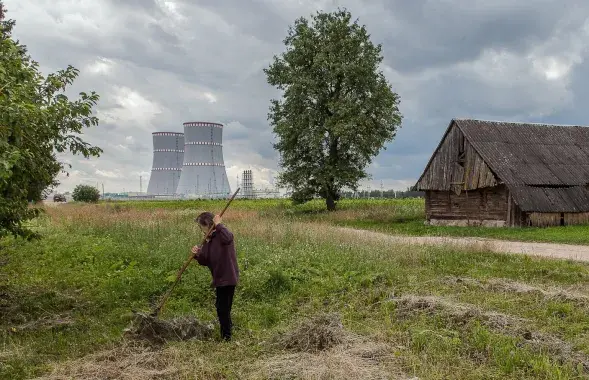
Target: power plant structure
{"points": [[250, 191], [247, 184], [203, 170], [168, 158]]}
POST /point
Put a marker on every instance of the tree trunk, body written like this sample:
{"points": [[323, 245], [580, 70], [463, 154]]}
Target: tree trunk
{"points": [[330, 201]]}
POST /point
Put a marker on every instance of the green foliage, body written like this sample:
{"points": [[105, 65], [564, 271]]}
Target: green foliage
{"points": [[85, 193], [96, 265], [337, 109], [36, 121]]}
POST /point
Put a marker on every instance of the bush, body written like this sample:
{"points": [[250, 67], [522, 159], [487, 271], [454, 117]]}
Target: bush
{"points": [[85, 193]]}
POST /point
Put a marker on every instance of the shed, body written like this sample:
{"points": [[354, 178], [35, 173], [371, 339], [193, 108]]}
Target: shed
{"points": [[495, 173]]}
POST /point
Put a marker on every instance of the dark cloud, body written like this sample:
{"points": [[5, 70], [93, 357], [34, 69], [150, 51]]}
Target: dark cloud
{"points": [[157, 64]]}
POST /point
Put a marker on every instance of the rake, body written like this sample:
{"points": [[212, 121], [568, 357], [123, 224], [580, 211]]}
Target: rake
{"points": [[163, 300]]}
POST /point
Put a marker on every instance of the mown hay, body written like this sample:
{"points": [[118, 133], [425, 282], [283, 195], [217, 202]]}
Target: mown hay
{"points": [[511, 286], [315, 334], [461, 314], [123, 363], [154, 330], [358, 361]]}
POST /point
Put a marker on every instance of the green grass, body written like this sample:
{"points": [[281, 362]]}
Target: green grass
{"points": [[564, 235], [394, 216], [95, 264]]}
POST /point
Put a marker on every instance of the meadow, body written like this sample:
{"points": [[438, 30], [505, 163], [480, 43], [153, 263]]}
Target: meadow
{"points": [[399, 312]]}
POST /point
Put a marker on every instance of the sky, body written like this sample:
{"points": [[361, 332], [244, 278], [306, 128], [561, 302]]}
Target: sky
{"points": [[156, 64]]}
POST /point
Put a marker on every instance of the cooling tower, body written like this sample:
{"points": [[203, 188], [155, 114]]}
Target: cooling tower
{"points": [[168, 157], [203, 171]]}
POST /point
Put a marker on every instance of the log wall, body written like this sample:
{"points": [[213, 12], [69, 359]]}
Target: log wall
{"points": [[456, 166], [476, 205], [545, 219]]}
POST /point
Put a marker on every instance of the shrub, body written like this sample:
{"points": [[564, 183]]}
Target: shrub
{"points": [[85, 193]]}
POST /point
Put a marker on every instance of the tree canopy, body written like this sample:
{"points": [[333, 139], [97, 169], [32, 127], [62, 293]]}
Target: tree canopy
{"points": [[86, 193], [337, 109], [37, 121]]}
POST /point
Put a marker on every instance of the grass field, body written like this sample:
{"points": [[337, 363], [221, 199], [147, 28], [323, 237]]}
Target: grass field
{"points": [[428, 312], [394, 216]]}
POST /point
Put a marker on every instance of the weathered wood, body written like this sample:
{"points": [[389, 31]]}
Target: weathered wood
{"points": [[449, 167], [482, 204], [509, 210]]}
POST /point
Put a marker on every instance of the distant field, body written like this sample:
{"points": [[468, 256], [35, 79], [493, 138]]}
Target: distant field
{"points": [[428, 312], [394, 216]]}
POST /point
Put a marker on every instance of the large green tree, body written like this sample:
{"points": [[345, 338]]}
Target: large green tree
{"points": [[337, 109], [37, 121]]}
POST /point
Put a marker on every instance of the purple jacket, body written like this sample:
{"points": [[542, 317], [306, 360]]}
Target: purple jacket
{"points": [[218, 254]]}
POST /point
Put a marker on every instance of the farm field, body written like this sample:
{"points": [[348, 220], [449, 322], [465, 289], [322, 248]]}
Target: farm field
{"points": [[394, 216], [381, 311]]}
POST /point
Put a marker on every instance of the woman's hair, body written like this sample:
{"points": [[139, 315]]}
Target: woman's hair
{"points": [[205, 219]]}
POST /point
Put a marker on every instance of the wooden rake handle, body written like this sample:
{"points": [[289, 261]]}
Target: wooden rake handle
{"points": [[160, 306]]}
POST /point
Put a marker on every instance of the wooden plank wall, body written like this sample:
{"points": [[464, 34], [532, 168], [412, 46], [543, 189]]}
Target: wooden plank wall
{"points": [[444, 172], [545, 219], [482, 204]]}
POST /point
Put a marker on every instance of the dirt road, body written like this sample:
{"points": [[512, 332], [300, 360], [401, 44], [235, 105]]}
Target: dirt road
{"points": [[556, 251]]}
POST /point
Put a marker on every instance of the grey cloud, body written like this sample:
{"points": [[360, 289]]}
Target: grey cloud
{"points": [[436, 50]]}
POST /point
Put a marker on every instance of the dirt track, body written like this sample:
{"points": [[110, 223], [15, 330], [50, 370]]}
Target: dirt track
{"points": [[556, 251]]}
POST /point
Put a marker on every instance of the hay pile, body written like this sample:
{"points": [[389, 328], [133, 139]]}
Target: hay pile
{"points": [[320, 348], [459, 314], [354, 362], [123, 363], [157, 331], [315, 334], [511, 286]]}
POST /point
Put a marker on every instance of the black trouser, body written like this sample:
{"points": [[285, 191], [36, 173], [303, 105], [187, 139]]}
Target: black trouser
{"points": [[223, 304]]}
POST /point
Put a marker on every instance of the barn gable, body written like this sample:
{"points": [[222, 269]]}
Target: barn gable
{"points": [[456, 165]]}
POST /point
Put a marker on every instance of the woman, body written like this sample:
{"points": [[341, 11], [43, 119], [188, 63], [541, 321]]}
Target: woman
{"points": [[218, 254]]}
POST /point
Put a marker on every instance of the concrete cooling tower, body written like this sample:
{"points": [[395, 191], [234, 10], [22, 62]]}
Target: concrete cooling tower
{"points": [[168, 157], [203, 171]]}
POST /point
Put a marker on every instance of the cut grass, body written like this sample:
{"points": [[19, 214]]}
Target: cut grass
{"points": [[98, 263]]}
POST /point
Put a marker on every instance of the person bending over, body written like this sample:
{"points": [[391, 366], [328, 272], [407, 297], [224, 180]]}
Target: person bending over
{"points": [[218, 254]]}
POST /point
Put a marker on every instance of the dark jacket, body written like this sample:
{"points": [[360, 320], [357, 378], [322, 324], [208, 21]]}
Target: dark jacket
{"points": [[218, 254]]}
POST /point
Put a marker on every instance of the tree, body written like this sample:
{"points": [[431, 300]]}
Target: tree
{"points": [[37, 121], [337, 110], [85, 193]]}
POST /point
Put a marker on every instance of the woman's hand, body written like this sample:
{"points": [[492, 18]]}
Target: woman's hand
{"points": [[195, 250], [216, 220]]}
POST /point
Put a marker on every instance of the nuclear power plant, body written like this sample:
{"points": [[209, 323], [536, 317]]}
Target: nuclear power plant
{"points": [[189, 164], [168, 157]]}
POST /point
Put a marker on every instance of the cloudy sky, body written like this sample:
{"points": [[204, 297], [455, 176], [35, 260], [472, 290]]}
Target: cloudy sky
{"points": [[159, 63]]}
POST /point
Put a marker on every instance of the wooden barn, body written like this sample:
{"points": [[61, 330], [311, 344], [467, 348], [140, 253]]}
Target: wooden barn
{"points": [[494, 173]]}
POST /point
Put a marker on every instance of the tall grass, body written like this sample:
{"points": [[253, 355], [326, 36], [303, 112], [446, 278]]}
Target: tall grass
{"points": [[96, 263]]}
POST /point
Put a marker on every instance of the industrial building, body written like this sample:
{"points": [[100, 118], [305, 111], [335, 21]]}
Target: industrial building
{"points": [[168, 157], [203, 172], [247, 184]]}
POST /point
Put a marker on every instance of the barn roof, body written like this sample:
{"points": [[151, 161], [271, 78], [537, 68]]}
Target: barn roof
{"points": [[531, 154], [546, 167]]}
